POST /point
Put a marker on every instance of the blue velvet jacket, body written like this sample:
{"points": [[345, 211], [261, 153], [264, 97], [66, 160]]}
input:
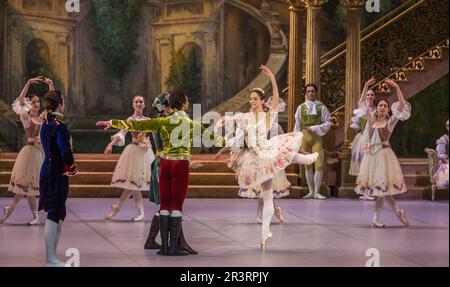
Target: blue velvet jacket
{"points": [[53, 184]]}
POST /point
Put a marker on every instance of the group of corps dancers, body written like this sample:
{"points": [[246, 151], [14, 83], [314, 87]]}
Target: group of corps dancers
{"points": [[260, 152]]}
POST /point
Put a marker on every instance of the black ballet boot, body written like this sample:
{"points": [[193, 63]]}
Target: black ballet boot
{"points": [[174, 230], [154, 230], [164, 221], [183, 245]]}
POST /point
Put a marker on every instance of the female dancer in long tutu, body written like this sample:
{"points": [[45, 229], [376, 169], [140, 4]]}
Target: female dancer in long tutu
{"points": [[359, 123], [267, 157], [133, 170], [380, 172], [25, 173]]}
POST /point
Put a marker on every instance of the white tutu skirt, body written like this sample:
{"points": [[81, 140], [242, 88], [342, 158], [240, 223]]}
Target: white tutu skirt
{"points": [[256, 167], [380, 174], [133, 170], [280, 188], [26, 171], [358, 146]]}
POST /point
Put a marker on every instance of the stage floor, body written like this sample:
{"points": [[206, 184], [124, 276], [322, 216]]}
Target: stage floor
{"points": [[333, 232]]}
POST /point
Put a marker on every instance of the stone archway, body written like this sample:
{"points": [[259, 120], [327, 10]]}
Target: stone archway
{"points": [[194, 55], [37, 57]]}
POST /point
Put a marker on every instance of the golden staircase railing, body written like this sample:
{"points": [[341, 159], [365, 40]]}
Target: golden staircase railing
{"points": [[386, 47]]}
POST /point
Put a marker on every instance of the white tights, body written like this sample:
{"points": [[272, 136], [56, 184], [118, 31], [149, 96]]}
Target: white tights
{"points": [[268, 208]]}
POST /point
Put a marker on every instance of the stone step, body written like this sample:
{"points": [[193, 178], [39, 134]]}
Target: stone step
{"points": [[195, 178], [213, 191], [108, 165], [195, 191]]}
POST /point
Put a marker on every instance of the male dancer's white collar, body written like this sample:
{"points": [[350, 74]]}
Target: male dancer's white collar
{"points": [[311, 105]]}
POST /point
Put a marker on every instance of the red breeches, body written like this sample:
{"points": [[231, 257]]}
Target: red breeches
{"points": [[173, 183]]}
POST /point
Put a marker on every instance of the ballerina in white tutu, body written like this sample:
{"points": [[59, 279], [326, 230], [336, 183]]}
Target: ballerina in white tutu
{"points": [[280, 182], [133, 170], [380, 171], [268, 156], [25, 173], [359, 124]]}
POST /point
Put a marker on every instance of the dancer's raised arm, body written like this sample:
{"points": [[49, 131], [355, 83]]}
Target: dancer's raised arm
{"points": [[362, 99], [275, 92], [401, 99], [49, 82], [25, 89]]}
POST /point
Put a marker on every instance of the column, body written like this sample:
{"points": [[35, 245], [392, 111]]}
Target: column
{"points": [[313, 42], [352, 90], [295, 72]]}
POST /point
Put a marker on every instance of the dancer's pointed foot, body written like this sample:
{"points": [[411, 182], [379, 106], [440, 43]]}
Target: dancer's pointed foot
{"points": [[114, 210], [376, 223], [309, 195], [138, 218], [319, 196], [6, 214], [35, 221], [279, 215], [401, 215], [366, 197], [264, 241]]}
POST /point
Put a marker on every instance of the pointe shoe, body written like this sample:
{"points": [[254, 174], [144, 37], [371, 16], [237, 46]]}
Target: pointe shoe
{"points": [[6, 214], [35, 221], [377, 224], [366, 197], [138, 218], [401, 215], [259, 220], [319, 196], [279, 215], [264, 241], [309, 195], [114, 210]]}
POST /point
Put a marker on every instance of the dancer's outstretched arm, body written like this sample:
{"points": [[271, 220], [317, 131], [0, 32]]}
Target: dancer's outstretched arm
{"points": [[275, 92]]}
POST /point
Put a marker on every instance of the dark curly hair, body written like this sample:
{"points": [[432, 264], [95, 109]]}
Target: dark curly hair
{"points": [[177, 99], [52, 99]]}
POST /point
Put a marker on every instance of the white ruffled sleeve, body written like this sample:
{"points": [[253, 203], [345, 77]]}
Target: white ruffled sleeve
{"points": [[120, 136], [325, 126], [357, 115], [21, 109], [280, 108], [298, 120], [399, 115]]}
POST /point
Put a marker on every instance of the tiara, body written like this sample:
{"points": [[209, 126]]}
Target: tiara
{"points": [[258, 90]]}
